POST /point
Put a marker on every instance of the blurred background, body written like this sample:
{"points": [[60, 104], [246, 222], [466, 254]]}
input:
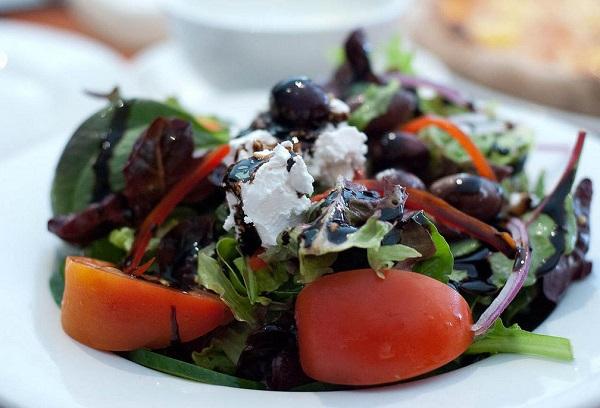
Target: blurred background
{"points": [[542, 55]]}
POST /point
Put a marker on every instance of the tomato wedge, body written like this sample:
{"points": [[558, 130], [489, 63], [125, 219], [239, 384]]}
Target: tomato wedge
{"points": [[107, 309], [357, 329]]}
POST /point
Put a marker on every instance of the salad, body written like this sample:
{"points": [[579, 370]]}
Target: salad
{"points": [[375, 228]]}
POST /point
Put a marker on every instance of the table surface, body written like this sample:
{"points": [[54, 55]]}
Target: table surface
{"points": [[62, 18]]}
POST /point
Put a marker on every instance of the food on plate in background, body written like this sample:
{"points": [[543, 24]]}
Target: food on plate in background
{"points": [[548, 52]]}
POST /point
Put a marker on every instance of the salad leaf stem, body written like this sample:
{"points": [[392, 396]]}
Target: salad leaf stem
{"points": [[513, 339], [480, 163], [189, 371], [162, 210]]}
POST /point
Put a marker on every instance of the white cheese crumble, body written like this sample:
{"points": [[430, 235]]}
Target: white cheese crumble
{"points": [[338, 107], [338, 151], [243, 147], [275, 198]]}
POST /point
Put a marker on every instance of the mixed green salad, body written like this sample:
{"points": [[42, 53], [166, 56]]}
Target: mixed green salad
{"points": [[375, 228]]}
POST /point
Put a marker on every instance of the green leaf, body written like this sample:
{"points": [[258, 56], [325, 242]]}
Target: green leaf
{"points": [[384, 257], [513, 339], [367, 236], [441, 264], [507, 148], [57, 280], [271, 278], [189, 371], [540, 231], [122, 238], [464, 247], [74, 179], [458, 275], [223, 352], [313, 266], [211, 276], [399, 58], [539, 189], [104, 250], [570, 225], [376, 101], [227, 252], [436, 105]]}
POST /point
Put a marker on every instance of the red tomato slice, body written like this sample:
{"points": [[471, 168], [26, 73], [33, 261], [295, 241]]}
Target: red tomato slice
{"points": [[357, 329], [107, 309]]}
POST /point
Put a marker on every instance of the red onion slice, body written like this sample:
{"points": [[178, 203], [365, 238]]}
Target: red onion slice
{"points": [[515, 281]]}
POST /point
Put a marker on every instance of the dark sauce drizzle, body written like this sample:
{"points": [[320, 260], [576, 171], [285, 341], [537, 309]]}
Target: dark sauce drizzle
{"points": [[107, 144]]}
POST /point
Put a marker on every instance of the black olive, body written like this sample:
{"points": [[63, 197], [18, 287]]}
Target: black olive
{"points": [[400, 177], [299, 103], [476, 196], [400, 110], [399, 149]]}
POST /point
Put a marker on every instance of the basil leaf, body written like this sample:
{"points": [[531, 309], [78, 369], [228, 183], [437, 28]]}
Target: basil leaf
{"points": [[189, 371]]}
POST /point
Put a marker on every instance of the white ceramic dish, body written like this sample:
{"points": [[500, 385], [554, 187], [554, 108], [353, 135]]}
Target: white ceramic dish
{"points": [[41, 366], [130, 24], [43, 76], [253, 43]]}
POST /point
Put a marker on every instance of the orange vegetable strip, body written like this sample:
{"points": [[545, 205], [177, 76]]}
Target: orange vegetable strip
{"points": [[451, 217], [480, 163], [162, 210]]}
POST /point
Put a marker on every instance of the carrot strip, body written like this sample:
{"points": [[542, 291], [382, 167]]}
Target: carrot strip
{"points": [[456, 219], [480, 163], [162, 210]]}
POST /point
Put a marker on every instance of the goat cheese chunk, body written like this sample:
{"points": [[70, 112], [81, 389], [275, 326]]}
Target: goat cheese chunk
{"points": [[337, 151], [243, 147], [268, 191]]}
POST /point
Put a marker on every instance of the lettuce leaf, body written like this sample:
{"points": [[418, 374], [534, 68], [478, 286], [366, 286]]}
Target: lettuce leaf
{"points": [[377, 99], [513, 339], [223, 352], [212, 277], [385, 256], [440, 265]]}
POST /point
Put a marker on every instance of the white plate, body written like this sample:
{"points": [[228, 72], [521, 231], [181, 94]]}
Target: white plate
{"points": [[41, 366], [43, 76]]}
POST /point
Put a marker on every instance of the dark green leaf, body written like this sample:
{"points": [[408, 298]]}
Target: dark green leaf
{"points": [[57, 280], [74, 178], [189, 371]]}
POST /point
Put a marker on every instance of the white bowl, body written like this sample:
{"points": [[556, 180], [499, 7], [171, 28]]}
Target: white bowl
{"points": [[254, 43], [131, 24]]}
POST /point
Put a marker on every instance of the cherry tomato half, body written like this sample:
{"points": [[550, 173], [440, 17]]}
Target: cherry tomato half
{"points": [[355, 328], [107, 309]]}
